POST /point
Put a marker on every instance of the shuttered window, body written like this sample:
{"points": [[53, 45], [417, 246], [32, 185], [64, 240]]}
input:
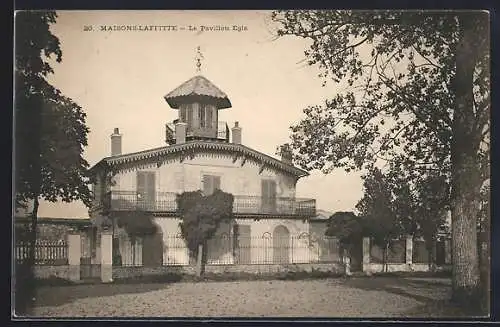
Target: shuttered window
{"points": [[189, 109], [201, 114], [182, 112], [208, 116], [268, 195], [146, 189], [210, 184]]}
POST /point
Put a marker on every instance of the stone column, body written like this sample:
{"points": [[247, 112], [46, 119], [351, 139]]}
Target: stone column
{"points": [[106, 256], [74, 254], [409, 252], [366, 254]]}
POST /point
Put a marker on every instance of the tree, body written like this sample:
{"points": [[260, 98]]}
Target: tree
{"points": [[201, 217], [347, 228], [432, 203], [379, 207], [417, 96], [50, 134]]}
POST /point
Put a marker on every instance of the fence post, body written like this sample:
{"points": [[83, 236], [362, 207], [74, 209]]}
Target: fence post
{"points": [[74, 253], [198, 260], [106, 256], [409, 251], [366, 255]]}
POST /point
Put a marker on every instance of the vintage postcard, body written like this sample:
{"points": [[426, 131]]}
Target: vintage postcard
{"points": [[243, 164]]}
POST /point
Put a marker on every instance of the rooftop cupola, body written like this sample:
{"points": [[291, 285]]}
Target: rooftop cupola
{"points": [[198, 101]]}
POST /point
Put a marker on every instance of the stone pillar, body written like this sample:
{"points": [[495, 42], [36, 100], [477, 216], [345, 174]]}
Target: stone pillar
{"points": [[106, 256], [74, 254], [180, 132], [366, 254], [409, 251]]}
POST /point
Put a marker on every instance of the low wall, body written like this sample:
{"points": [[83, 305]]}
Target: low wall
{"points": [[402, 267], [46, 271], [132, 272]]}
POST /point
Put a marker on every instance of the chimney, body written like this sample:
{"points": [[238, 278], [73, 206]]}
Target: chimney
{"points": [[286, 154], [236, 131], [116, 143], [180, 132]]}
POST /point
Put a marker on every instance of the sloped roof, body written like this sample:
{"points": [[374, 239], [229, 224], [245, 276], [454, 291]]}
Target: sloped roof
{"points": [[197, 145], [198, 86]]}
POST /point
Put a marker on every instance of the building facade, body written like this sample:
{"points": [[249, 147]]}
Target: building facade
{"points": [[202, 153]]}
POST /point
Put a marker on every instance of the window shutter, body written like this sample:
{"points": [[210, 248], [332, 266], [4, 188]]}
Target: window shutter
{"points": [[216, 182], [141, 184], [183, 114], [201, 112], [207, 184], [210, 184], [150, 186], [189, 114], [265, 188], [272, 189], [209, 116]]}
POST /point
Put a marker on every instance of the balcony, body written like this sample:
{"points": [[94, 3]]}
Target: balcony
{"points": [[222, 132], [243, 204]]}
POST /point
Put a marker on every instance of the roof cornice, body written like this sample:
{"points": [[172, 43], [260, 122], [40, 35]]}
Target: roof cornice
{"points": [[198, 145]]}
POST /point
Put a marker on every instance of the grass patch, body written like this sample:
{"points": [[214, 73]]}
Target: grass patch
{"points": [[53, 281], [419, 274], [228, 276]]}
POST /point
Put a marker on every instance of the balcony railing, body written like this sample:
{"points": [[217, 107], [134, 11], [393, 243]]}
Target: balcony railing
{"points": [[243, 204], [222, 132]]}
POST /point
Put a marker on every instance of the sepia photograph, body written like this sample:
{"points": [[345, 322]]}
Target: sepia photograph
{"points": [[251, 164]]}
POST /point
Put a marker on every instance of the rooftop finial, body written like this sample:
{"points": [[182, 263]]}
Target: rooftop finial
{"points": [[198, 58]]}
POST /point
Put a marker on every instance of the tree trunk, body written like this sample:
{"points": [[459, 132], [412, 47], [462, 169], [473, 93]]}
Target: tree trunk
{"points": [[466, 180], [385, 267], [25, 275]]}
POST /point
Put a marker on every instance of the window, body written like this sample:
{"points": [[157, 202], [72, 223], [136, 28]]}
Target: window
{"points": [[182, 113], [205, 115], [189, 109], [208, 116], [146, 189], [210, 184], [201, 114], [268, 195]]}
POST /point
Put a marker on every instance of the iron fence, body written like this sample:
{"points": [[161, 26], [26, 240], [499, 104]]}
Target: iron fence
{"points": [[228, 250], [47, 252], [123, 200]]}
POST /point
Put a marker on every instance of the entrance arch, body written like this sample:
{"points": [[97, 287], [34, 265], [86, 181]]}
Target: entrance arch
{"points": [[281, 245]]}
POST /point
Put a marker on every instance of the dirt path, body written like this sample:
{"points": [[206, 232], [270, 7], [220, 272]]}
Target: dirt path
{"points": [[364, 297]]}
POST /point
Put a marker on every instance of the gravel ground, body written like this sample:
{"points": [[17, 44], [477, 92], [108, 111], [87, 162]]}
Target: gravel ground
{"points": [[363, 297]]}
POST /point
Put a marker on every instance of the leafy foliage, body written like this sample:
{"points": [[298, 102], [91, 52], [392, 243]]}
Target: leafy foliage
{"points": [[136, 223], [379, 206], [417, 97], [202, 215], [49, 135], [50, 130], [346, 227]]}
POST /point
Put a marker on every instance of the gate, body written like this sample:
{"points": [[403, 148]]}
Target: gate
{"points": [[89, 270]]}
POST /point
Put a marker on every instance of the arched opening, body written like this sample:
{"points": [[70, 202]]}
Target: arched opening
{"points": [[281, 245]]}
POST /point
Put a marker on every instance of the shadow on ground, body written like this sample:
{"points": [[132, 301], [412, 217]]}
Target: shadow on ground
{"points": [[58, 295], [419, 290], [434, 295]]}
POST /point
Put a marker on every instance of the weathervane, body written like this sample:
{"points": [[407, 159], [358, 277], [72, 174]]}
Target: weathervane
{"points": [[198, 58]]}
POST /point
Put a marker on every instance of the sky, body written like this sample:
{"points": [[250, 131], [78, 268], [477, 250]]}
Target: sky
{"points": [[119, 78]]}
